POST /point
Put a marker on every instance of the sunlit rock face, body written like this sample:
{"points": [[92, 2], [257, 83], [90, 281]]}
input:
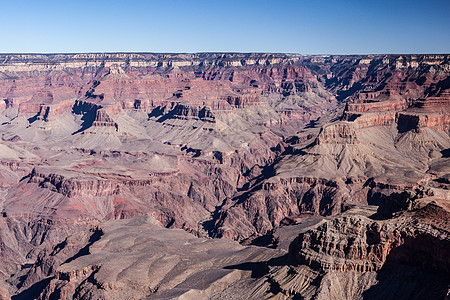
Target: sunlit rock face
{"points": [[243, 147]]}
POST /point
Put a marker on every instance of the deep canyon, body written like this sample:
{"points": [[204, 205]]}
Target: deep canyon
{"points": [[224, 176]]}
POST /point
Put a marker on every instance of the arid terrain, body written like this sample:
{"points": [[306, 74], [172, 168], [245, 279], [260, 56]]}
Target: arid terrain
{"points": [[224, 176]]}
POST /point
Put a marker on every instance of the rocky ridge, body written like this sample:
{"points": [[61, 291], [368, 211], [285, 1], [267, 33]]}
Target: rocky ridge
{"points": [[220, 145], [349, 256]]}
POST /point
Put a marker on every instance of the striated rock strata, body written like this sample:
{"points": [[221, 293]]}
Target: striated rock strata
{"points": [[221, 145]]}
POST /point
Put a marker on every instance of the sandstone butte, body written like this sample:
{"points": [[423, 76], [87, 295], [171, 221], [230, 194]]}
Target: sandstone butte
{"points": [[224, 176]]}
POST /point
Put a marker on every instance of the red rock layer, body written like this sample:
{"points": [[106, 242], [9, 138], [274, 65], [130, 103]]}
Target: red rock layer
{"points": [[358, 244], [201, 141]]}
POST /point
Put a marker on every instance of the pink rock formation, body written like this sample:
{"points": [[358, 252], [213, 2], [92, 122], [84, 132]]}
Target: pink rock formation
{"points": [[219, 145]]}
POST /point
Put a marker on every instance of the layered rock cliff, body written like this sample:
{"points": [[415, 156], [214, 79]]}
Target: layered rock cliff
{"points": [[380, 145], [354, 256], [219, 145]]}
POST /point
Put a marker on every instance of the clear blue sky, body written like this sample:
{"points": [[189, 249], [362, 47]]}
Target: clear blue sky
{"points": [[302, 26]]}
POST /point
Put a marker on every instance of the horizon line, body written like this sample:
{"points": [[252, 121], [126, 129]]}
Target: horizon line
{"points": [[217, 52]]}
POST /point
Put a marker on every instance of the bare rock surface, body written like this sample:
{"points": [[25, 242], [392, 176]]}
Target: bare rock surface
{"points": [[136, 259], [350, 256], [256, 148], [355, 257], [384, 142]]}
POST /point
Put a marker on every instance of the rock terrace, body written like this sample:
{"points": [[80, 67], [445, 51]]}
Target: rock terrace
{"points": [[318, 177]]}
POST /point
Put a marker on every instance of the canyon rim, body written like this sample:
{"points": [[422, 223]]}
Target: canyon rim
{"points": [[224, 176]]}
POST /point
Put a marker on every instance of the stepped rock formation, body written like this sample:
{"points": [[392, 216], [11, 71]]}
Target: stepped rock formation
{"points": [[350, 256], [180, 265], [353, 256], [276, 151]]}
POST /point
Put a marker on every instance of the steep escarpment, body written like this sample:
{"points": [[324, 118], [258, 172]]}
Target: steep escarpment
{"points": [[184, 266], [379, 145], [357, 244], [219, 145], [348, 256], [355, 256], [343, 165]]}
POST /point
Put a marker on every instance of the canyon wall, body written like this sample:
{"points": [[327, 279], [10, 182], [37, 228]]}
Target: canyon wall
{"points": [[221, 145]]}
